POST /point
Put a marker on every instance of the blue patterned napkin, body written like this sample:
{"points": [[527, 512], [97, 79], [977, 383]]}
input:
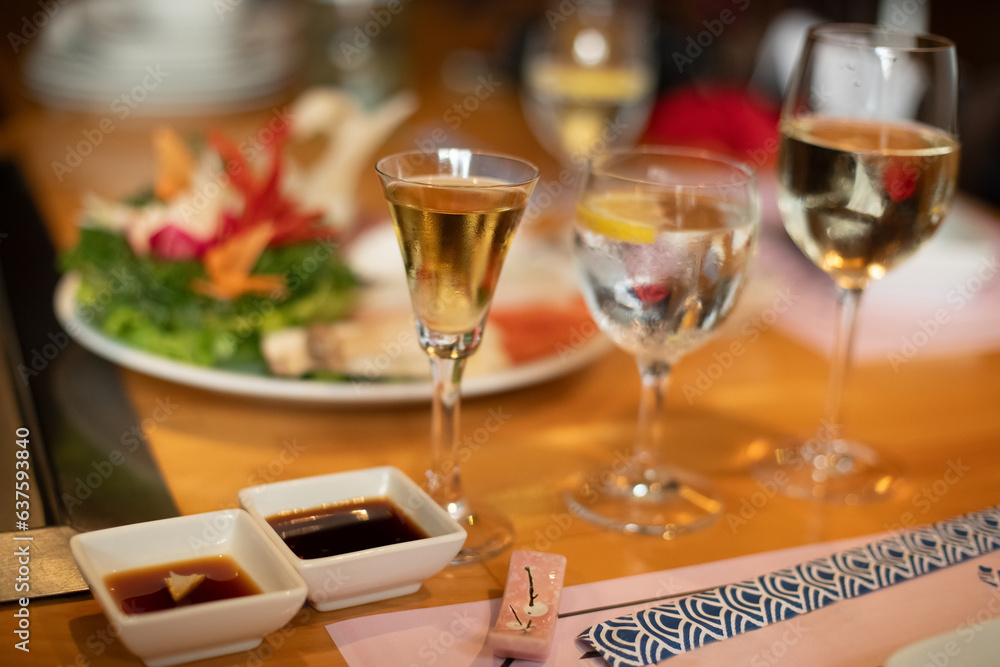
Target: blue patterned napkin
{"points": [[989, 576], [686, 623]]}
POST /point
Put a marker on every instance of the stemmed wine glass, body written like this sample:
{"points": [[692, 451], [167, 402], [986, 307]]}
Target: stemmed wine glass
{"points": [[663, 241], [588, 78], [455, 212], [867, 166]]}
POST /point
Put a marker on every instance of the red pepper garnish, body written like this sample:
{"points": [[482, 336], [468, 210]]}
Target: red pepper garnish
{"points": [[262, 198]]}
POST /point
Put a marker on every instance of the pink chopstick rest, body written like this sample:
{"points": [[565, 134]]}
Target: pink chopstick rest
{"points": [[526, 625]]}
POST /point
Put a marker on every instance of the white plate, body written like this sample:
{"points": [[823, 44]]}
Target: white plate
{"points": [[972, 645], [307, 390]]}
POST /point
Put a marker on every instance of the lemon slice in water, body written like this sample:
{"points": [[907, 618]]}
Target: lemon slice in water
{"points": [[625, 217]]}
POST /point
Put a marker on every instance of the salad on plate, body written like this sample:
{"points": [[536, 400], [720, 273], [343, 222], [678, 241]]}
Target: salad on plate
{"points": [[240, 264]]}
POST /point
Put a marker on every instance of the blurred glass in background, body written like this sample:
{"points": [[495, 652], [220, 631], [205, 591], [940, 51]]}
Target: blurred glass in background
{"points": [[358, 45], [589, 74]]}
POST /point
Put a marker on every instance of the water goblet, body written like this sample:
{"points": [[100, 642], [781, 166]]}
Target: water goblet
{"points": [[663, 240]]}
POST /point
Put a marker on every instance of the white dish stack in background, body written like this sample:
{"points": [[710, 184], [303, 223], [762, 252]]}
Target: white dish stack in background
{"points": [[159, 57]]}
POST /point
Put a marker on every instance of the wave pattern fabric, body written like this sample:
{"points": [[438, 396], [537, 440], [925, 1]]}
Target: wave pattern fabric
{"points": [[655, 634]]}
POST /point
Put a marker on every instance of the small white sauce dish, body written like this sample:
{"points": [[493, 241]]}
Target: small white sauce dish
{"points": [[196, 631], [373, 574]]}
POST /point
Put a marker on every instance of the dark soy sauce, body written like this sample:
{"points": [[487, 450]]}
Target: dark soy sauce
{"points": [[144, 590], [343, 528]]}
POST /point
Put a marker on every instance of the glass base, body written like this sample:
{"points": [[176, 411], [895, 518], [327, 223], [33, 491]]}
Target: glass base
{"points": [[664, 502], [489, 533], [841, 471]]}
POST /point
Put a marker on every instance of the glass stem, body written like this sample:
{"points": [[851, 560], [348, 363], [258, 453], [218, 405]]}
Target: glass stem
{"points": [[647, 454], [847, 310], [443, 482]]}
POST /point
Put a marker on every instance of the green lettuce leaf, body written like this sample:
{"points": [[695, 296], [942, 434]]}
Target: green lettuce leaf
{"points": [[149, 304]]}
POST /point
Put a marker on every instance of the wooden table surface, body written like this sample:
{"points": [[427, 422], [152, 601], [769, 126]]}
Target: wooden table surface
{"points": [[932, 413]]}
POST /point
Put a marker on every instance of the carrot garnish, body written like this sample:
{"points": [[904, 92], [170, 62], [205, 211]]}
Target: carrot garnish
{"points": [[175, 164], [229, 263]]}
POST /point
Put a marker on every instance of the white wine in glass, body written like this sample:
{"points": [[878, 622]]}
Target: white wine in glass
{"points": [[454, 239], [455, 212], [867, 167], [885, 187]]}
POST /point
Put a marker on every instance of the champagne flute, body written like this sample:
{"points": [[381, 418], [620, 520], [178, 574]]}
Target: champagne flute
{"points": [[663, 241], [455, 212], [589, 79], [866, 169]]}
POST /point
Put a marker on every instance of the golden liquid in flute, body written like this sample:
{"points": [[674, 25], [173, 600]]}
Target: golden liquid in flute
{"points": [[454, 240]]}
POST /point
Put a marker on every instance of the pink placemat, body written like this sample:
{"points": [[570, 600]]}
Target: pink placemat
{"points": [[862, 632], [944, 300]]}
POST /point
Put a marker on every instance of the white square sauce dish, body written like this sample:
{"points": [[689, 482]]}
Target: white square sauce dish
{"points": [[189, 587], [358, 536]]}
